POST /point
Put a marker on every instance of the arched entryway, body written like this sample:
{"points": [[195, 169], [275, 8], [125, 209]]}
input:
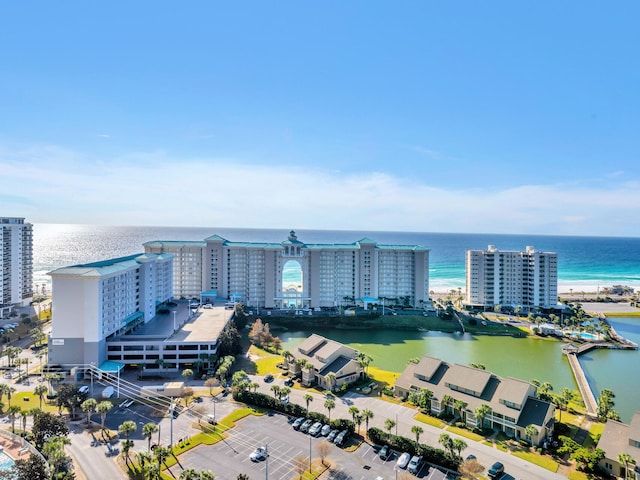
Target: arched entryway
{"points": [[292, 284]]}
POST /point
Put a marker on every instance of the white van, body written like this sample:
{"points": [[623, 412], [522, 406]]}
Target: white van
{"points": [[108, 392]]}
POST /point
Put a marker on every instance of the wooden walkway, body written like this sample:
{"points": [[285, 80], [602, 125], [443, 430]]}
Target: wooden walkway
{"points": [[585, 390]]}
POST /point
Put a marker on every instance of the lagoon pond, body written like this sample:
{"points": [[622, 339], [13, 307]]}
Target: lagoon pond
{"points": [[524, 358]]}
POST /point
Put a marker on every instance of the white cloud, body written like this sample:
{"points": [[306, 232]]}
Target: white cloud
{"points": [[54, 185]]}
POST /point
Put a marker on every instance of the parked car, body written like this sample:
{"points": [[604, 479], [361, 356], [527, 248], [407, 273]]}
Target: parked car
{"points": [[305, 426], [414, 464], [315, 429], [258, 454], [332, 435], [496, 470], [288, 382], [342, 437], [326, 430], [268, 378], [297, 423], [384, 452], [403, 460], [83, 389]]}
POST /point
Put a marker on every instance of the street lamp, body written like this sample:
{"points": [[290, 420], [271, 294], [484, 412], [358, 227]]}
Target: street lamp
{"points": [[309, 453], [93, 365], [174, 321]]}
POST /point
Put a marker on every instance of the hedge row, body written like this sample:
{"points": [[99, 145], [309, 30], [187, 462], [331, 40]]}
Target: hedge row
{"points": [[433, 455], [293, 409]]}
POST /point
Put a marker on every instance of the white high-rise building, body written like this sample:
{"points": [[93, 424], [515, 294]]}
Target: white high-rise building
{"points": [[16, 262], [526, 279], [296, 274], [95, 302]]}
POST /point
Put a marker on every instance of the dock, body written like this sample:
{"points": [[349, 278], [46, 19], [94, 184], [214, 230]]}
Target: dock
{"points": [[574, 351]]}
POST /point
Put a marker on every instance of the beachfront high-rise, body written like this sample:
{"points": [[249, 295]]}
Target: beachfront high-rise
{"points": [[16, 262], [326, 275], [98, 301], [527, 279]]}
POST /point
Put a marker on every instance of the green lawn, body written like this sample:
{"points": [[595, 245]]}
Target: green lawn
{"points": [[429, 420], [634, 313], [541, 461], [594, 434], [29, 400], [466, 433]]}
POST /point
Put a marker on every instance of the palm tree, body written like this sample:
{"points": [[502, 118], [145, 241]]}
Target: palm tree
{"points": [[329, 405], [9, 392], [354, 411], [625, 459], [40, 391], [287, 356], [308, 399], [187, 373], [364, 360], [531, 431], [331, 380], [425, 398], [482, 412], [127, 428], [417, 431], [447, 443], [389, 424], [24, 414], [89, 406], [189, 474], [13, 411], [148, 429], [459, 445], [103, 408], [446, 401], [460, 405], [367, 415], [276, 391], [3, 390], [560, 402], [161, 454]]}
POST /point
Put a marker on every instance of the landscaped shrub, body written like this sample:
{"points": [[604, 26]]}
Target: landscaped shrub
{"points": [[343, 424]]}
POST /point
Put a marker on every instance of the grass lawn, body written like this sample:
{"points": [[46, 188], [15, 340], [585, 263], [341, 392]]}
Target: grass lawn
{"points": [[576, 475], [266, 361], [429, 420], [465, 433], [29, 400], [383, 378], [594, 434], [634, 313], [541, 461]]}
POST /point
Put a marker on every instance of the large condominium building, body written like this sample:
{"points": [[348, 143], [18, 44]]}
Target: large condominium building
{"points": [[296, 274], [16, 262], [96, 302], [526, 279]]}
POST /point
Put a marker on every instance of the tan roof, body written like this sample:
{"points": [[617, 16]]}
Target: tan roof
{"points": [[513, 390], [615, 440], [319, 350], [468, 378], [428, 366]]}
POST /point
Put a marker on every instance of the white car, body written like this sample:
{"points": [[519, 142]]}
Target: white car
{"points": [[258, 454], [325, 430], [414, 464], [315, 429], [403, 460], [83, 389]]}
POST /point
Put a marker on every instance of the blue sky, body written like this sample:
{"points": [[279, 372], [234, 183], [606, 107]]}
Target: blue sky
{"points": [[461, 116]]}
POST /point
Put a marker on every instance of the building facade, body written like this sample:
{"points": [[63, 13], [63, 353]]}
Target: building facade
{"points": [[619, 438], [296, 274], [509, 404], [527, 279], [327, 363], [16, 263], [96, 302]]}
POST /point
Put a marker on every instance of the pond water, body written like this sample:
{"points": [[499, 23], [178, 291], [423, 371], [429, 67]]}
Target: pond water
{"points": [[617, 370], [523, 358]]}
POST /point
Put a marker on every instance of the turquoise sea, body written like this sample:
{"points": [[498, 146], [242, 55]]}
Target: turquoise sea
{"points": [[585, 263]]}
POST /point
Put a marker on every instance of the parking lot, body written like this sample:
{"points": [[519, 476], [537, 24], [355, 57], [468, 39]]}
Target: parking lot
{"points": [[229, 458]]}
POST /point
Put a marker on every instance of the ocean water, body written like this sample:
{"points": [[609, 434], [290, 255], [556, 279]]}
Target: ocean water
{"points": [[584, 263]]}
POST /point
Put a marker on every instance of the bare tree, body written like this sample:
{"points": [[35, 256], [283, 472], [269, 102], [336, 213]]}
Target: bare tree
{"points": [[323, 448], [300, 465]]}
